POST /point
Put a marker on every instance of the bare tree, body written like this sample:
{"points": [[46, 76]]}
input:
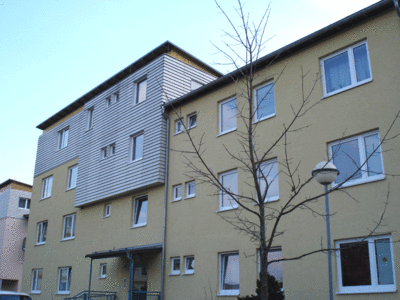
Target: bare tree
{"points": [[250, 38]]}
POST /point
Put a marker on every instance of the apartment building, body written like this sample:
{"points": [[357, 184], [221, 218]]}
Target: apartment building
{"points": [[98, 193], [356, 64], [15, 200]]}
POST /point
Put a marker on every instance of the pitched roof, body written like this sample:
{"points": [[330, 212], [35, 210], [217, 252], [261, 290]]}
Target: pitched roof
{"points": [[305, 42], [144, 60]]}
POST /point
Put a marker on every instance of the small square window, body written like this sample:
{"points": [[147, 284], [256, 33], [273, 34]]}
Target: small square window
{"points": [[229, 181], [175, 265], [24, 203], [227, 116], [269, 175], [104, 152], [346, 69], [140, 211], [264, 102], [41, 233], [195, 85], [361, 152], [229, 274], [107, 210], [177, 192], [72, 177], [189, 264], [115, 97], [190, 189], [64, 280], [37, 275], [137, 147], [141, 90], [69, 227], [103, 270], [63, 138], [179, 126], [192, 121], [89, 123], [365, 265], [108, 101], [46, 187]]}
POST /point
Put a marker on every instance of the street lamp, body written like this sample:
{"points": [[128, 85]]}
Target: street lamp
{"points": [[325, 173]]}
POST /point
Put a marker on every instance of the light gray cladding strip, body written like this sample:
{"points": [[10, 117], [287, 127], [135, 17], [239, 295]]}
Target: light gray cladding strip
{"points": [[48, 155], [100, 178]]}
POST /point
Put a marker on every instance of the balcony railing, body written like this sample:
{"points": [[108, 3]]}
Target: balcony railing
{"points": [[146, 295], [94, 295]]}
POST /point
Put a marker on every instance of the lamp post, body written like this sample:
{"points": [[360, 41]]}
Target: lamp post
{"points": [[325, 173]]}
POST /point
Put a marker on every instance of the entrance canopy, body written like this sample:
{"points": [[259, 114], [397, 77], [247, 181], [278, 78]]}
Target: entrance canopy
{"points": [[124, 251]]}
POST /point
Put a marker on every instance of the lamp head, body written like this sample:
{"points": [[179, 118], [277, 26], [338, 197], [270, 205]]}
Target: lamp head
{"points": [[325, 172]]}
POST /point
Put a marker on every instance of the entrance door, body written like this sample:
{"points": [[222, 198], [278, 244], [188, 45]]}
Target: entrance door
{"points": [[140, 278]]}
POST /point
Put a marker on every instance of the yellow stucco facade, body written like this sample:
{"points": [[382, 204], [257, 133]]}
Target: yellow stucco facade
{"points": [[195, 226]]}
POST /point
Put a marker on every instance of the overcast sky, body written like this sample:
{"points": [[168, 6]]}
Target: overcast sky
{"points": [[52, 51]]}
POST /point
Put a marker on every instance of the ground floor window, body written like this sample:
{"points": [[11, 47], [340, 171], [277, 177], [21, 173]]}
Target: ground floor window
{"points": [[229, 273], [365, 265], [64, 280], [37, 280]]}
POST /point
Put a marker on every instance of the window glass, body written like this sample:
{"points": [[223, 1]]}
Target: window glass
{"points": [[64, 280], [191, 189], [275, 269], [41, 233], [230, 271], [178, 192], [384, 261], [90, 118], [269, 172], [137, 147], [347, 160], [141, 91], [229, 181], [46, 187], [265, 105], [140, 211], [37, 276], [227, 115], [374, 164], [337, 72], [69, 227], [189, 264], [72, 177], [361, 61], [192, 121], [179, 126]]}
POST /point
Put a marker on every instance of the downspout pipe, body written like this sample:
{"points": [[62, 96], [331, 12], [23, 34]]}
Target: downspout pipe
{"points": [[165, 206], [90, 277], [397, 7], [131, 278]]}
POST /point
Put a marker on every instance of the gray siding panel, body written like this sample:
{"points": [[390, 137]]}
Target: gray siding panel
{"points": [[104, 178]]}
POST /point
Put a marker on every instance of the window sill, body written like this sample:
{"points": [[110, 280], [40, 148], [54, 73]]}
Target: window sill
{"points": [[345, 89], [226, 132], [188, 273], [228, 293], [63, 293], [40, 244], [264, 118], [176, 133], [170, 274], [226, 209], [136, 160], [104, 277], [70, 189], [368, 291], [106, 216], [45, 198], [269, 200], [67, 239], [192, 127], [189, 197], [361, 181], [176, 200], [35, 292], [139, 225]]}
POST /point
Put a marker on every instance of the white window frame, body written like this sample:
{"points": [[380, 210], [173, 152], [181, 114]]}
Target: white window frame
{"points": [[70, 175], [73, 216], [220, 115], [221, 193], [89, 122], [175, 272], [35, 287], [108, 101], [179, 127], [374, 287], [136, 212], [68, 283], [107, 210], [187, 270], [133, 147], [362, 155], [353, 77], [272, 88], [112, 149], [47, 186], [115, 97], [176, 189], [137, 86], [188, 187], [191, 116], [108, 151], [41, 232], [104, 152], [276, 178], [194, 85], [233, 292], [103, 270], [63, 136], [27, 202]]}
